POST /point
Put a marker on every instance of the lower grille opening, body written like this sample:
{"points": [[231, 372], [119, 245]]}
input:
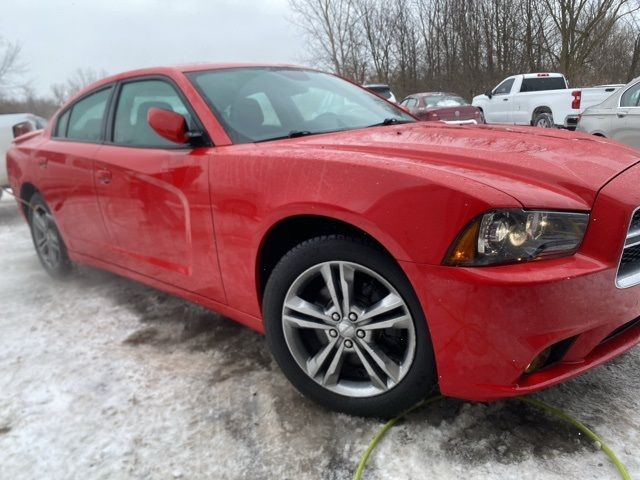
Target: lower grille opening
{"points": [[550, 356], [624, 328]]}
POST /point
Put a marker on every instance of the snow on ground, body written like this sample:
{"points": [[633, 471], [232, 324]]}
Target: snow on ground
{"points": [[103, 378]]}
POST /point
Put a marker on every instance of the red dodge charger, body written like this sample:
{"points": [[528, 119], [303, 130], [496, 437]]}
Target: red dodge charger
{"points": [[382, 257]]}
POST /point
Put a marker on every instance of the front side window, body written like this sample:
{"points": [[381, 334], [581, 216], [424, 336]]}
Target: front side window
{"points": [[86, 117], [260, 104], [631, 98], [505, 87], [136, 98]]}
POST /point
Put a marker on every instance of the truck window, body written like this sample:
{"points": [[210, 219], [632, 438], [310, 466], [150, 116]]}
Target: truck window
{"points": [[505, 87], [543, 83]]}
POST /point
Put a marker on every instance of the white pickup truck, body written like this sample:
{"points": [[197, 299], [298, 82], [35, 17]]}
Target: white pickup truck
{"points": [[539, 99]]}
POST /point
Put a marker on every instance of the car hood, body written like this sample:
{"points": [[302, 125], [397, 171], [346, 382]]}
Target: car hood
{"points": [[538, 167]]}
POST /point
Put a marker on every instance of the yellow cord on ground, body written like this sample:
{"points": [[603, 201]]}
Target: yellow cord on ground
{"points": [[529, 401]]}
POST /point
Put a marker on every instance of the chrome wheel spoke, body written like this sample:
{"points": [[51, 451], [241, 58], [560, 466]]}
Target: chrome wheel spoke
{"points": [[387, 304], [39, 222], [373, 375], [300, 305], [347, 273], [333, 371], [41, 242], [302, 323], [390, 368], [314, 364], [327, 275], [401, 321]]}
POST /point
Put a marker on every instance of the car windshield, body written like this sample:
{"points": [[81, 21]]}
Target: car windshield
{"points": [[442, 101], [260, 104]]}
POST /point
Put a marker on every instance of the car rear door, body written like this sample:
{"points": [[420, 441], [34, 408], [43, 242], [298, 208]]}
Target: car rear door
{"points": [[154, 195], [625, 125], [65, 163]]}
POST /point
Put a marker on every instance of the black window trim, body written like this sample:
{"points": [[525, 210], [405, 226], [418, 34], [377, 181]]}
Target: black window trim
{"points": [[111, 115], [69, 108]]}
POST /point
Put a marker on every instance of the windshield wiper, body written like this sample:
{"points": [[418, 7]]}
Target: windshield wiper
{"points": [[390, 121], [291, 134]]}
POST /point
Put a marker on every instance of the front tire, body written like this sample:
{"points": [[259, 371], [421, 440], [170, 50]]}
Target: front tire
{"points": [[346, 328], [47, 240]]}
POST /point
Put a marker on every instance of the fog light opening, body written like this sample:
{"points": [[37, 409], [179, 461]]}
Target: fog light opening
{"points": [[538, 362]]}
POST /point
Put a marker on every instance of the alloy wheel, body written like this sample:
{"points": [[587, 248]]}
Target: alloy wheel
{"points": [[348, 329]]}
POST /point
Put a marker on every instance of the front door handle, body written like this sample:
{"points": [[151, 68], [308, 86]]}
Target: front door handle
{"points": [[505, 99], [622, 114], [104, 176]]}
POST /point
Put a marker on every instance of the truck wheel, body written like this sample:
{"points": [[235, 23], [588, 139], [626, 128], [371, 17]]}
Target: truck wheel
{"points": [[543, 120], [347, 329]]}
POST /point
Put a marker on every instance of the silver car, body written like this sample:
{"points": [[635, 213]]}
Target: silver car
{"points": [[618, 117]]}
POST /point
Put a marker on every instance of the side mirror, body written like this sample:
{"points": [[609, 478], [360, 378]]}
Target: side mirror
{"points": [[22, 128], [169, 125], [489, 94]]}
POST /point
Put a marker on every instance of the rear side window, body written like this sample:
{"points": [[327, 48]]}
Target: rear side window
{"points": [[136, 98], [543, 83], [631, 98], [87, 115], [63, 123]]}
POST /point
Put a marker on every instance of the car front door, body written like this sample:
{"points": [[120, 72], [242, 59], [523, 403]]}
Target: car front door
{"points": [[499, 108], [625, 124], [154, 194]]}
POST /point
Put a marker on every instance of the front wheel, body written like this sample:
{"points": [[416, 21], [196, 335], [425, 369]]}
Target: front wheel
{"points": [[346, 328]]}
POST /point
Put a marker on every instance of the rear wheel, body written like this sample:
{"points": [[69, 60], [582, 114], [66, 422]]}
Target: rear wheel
{"points": [[345, 326], [543, 120], [46, 238]]}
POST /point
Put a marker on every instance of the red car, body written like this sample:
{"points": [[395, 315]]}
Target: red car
{"points": [[383, 257], [442, 107]]}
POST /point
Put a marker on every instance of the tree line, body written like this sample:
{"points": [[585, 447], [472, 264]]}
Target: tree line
{"points": [[467, 46]]}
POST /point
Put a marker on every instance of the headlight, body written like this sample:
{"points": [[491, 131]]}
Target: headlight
{"points": [[511, 236]]}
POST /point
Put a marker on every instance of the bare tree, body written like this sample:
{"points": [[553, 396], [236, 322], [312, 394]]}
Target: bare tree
{"points": [[79, 79], [11, 67]]}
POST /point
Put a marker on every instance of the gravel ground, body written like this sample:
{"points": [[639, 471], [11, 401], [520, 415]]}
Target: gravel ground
{"points": [[101, 377]]}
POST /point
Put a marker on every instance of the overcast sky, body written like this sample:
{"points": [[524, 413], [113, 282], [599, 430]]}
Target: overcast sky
{"points": [[58, 36]]}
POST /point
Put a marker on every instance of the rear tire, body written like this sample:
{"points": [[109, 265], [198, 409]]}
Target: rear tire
{"points": [[47, 240], [543, 120], [369, 369]]}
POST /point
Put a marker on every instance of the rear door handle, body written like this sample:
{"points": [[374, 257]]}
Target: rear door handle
{"points": [[622, 114], [104, 176], [505, 99]]}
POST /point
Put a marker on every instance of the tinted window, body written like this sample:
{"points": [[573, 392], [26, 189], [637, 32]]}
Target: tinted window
{"points": [[85, 121], [542, 83], [631, 98], [258, 104], [410, 102], [384, 92], [504, 87], [135, 100], [443, 101], [63, 123]]}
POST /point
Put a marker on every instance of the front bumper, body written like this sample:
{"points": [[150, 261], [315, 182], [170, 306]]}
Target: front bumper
{"points": [[488, 324]]}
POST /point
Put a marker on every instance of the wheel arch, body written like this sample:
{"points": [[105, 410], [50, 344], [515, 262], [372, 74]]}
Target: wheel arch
{"points": [[290, 231], [540, 109], [27, 190]]}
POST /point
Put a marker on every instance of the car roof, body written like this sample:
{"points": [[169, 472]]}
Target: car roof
{"points": [[376, 85], [176, 69]]}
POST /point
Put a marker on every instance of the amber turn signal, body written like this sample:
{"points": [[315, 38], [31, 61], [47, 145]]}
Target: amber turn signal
{"points": [[464, 250]]}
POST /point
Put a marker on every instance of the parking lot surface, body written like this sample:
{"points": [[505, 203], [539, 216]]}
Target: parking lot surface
{"points": [[101, 377]]}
